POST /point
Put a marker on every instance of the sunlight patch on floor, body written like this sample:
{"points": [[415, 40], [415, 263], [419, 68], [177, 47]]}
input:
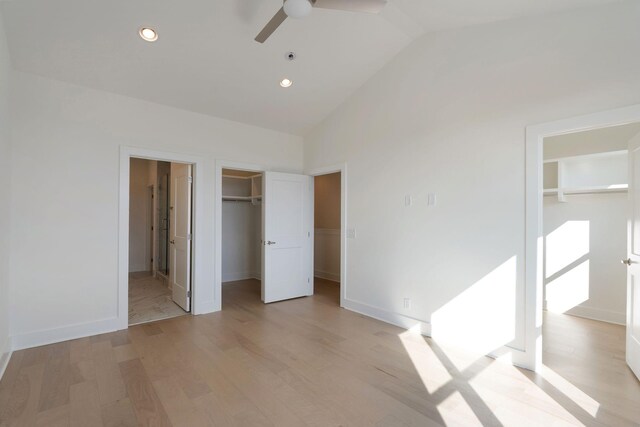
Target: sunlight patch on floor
{"points": [[455, 411], [431, 371], [530, 410], [580, 398]]}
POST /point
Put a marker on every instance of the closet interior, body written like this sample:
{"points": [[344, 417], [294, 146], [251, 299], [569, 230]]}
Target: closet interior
{"points": [[241, 226]]}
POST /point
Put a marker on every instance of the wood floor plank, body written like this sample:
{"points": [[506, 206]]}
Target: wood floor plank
{"points": [[84, 407], [55, 417], [308, 362], [111, 386], [58, 377], [11, 375], [22, 407], [146, 404], [119, 414], [125, 352], [180, 409]]}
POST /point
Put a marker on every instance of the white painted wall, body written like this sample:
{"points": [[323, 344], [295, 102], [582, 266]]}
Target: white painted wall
{"points": [[5, 196], [586, 238], [326, 206], [447, 116], [139, 216], [326, 254], [64, 238], [326, 250], [241, 231]]}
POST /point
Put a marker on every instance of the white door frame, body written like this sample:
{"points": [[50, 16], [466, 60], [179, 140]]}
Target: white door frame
{"points": [[199, 252], [533, 213], [342, 168], [224, 164]]}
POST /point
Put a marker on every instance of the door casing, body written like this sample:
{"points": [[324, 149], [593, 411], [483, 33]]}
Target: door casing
{"points": [[202, 244], [531, 356], [224, 164]]}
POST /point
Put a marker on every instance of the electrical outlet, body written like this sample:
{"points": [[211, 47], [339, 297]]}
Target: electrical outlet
{"points": [[407, 303]]}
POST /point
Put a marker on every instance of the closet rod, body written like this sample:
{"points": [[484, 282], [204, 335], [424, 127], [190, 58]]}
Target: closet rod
{"points": [[237, 200]]}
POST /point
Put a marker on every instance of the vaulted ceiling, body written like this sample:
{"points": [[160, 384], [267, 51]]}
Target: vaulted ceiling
{"points": [[206, 60]]}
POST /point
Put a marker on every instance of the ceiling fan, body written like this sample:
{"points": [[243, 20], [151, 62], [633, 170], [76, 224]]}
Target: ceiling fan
{"points": [[302, 8]]}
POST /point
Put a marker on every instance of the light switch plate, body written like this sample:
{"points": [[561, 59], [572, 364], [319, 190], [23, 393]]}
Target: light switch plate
{"points": [[431, 199]]}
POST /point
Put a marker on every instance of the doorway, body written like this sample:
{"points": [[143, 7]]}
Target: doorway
{"points": [[287, 232], [160, 235], [584, 214], [560, 278], [241, 250], [327, 232]]}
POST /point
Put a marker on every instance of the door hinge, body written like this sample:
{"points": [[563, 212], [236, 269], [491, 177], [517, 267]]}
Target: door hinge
{"points": [[188, 294], [190, 179], [152, 228], [308, 279], [189, 236], [308, 234]]}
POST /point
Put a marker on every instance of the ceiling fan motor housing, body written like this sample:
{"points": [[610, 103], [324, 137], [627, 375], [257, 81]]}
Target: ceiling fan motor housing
{"points": [[297, 8]]}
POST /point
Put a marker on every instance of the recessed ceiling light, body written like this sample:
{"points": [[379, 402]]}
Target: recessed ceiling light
{"points": [[286, 83], [148, 34]]}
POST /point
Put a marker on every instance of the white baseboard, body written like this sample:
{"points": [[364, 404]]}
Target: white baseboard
{"points": [[5, 356], [327, 276], [396, 319], [504, 354], [599, 314], [50, 336], [244, 275]]}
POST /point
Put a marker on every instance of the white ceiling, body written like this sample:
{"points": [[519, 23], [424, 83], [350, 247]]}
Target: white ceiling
{"points": [[207, 61]]}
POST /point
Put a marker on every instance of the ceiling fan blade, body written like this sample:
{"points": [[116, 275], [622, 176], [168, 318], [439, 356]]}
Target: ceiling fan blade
{"points": [[370, 6], [271, 26]]}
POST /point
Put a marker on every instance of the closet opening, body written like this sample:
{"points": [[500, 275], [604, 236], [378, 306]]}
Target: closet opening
{"points": [[241, 248], [585, 215], [327, 236], [160, 240]]}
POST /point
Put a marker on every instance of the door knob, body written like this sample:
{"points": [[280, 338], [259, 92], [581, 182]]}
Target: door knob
{"points": [[627, 261], [173, 242]]}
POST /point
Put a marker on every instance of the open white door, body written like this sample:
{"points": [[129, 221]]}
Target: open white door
{"points": [[287, 229], [180, 234], [633, 260]]}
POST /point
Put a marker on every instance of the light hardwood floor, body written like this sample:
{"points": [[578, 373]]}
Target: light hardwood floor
{"points": [[308, 362], [150, 299]]}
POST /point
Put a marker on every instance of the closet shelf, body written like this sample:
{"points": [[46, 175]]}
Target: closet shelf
{"points": [[241, 198], [621, 188]]}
